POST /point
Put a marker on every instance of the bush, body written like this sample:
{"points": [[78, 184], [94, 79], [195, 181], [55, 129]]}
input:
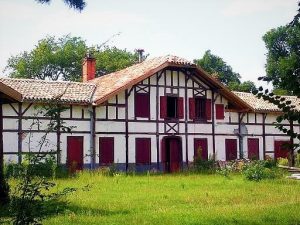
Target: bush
{"points": [[201, 165], [257, 171], [297, 161], [283, 161]]}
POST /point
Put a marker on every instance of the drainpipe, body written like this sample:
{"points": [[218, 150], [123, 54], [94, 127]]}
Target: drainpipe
{"points": [[92, 136]]}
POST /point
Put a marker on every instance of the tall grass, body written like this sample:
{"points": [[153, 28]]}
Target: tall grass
{"points": [[178, 199]]}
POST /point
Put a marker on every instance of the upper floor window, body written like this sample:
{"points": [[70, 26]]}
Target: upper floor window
{"points": [[171, 107], [220, 114], [142, 105], [200, 108]]}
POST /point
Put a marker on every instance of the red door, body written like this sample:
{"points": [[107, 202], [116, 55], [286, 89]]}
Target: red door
{"points": [[175, 155], [106, 150], [75, 153], [231, 149], [281, 149], [200, 147], [171, 154], [253, 148]]}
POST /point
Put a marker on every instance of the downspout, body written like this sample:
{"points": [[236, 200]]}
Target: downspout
{"points": [[213, 124], [292, 161], [240, 135]]}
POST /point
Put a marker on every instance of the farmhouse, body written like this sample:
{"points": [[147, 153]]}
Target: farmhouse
{"points": [[152, 115]]}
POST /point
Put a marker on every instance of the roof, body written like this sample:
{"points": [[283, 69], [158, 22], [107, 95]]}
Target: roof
{"points": [[260, 105], [40, 90], [110, 84], [100, 89]]}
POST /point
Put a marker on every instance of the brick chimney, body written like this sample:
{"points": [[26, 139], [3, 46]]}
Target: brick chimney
{"points": [[88, 68]]}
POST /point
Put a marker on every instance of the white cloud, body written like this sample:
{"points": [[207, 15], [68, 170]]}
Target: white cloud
{"points": [[246, 7]]}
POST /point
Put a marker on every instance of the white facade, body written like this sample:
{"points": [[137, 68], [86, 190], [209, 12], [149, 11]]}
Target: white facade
{"points": [[116, 118]]}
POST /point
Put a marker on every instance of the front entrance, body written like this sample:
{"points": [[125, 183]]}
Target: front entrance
{"points": [[75, 153], [171, 154]]}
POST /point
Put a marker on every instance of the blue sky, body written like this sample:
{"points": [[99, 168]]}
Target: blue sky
{"points": [[231, 29]]}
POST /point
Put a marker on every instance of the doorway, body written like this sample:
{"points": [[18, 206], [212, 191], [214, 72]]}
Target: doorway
{"points": [[171, 154], [75, 153]]}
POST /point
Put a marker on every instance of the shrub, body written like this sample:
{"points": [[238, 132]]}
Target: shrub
{"points": [[297, 160], [283, 161], [225, 171], [257, 171]]}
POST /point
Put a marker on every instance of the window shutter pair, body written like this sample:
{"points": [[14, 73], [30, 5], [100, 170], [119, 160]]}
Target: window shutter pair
{"points": [[192, 110], [163, 107]]}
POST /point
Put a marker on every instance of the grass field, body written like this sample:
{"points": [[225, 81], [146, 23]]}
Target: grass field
{"points": [[178, 199]]}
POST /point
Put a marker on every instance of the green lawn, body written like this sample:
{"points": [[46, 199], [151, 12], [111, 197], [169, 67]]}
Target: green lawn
{"points": [[179, 199]]}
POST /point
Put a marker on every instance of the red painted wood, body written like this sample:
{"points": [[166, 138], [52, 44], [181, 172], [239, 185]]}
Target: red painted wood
{"points": [[142, 105], [200, 142], [106, 150], [75, 153], [163, 107], [143, 150], [192, 108], [281, 151], [220, 112], [208, 109], [175, 155], [180, 112], [231, 149], [253, 148]]}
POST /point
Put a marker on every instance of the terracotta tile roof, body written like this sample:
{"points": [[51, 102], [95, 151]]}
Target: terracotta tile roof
{"points": [[40, 90], [262, 105], [112, 83]]}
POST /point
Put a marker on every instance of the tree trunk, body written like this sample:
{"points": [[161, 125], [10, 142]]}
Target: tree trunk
{"points": [[292, 157]]}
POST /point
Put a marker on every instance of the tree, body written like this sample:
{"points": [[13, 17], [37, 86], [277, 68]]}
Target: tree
{"points": [[76, 4], [215, 65], [283, 70], [61, 58]]}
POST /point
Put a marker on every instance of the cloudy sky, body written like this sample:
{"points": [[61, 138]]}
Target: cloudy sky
{"points": [[231, 29]]}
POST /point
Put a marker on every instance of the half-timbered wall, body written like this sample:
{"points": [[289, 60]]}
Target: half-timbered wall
{"points": [[116, 118]]}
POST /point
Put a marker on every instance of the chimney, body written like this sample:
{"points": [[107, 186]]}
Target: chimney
{"points": [[88, 68], [140, 53]]}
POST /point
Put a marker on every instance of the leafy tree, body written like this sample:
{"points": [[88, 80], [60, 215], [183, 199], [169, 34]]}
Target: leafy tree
{"points": [[112, 59], [216, 66], [283, 70], [61, 58], [76, 4]]}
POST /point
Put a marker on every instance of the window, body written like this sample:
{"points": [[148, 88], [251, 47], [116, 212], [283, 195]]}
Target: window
{"points": [[143, 151], [106, 150], [200, 108], [142, 105], [220, 112], [171, 107]]}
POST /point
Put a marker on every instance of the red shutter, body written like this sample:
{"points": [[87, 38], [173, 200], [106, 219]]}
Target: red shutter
{"points": [[281, 149], [163, 107], [220, 112], [253, 148], [208, 109], [192, 108], [180, 112], [143, 150], [106, 150], [142, 105]]}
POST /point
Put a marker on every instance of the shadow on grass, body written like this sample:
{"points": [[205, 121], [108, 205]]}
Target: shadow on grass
{"points": [[54, 207]]}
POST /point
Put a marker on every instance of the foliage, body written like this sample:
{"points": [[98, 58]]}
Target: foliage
{"points": [[225, 171], [61, 58], [256, 171], [283, 70], [216, 66], [297, 163], [203, 165], [283, 161], [76, 4]]}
